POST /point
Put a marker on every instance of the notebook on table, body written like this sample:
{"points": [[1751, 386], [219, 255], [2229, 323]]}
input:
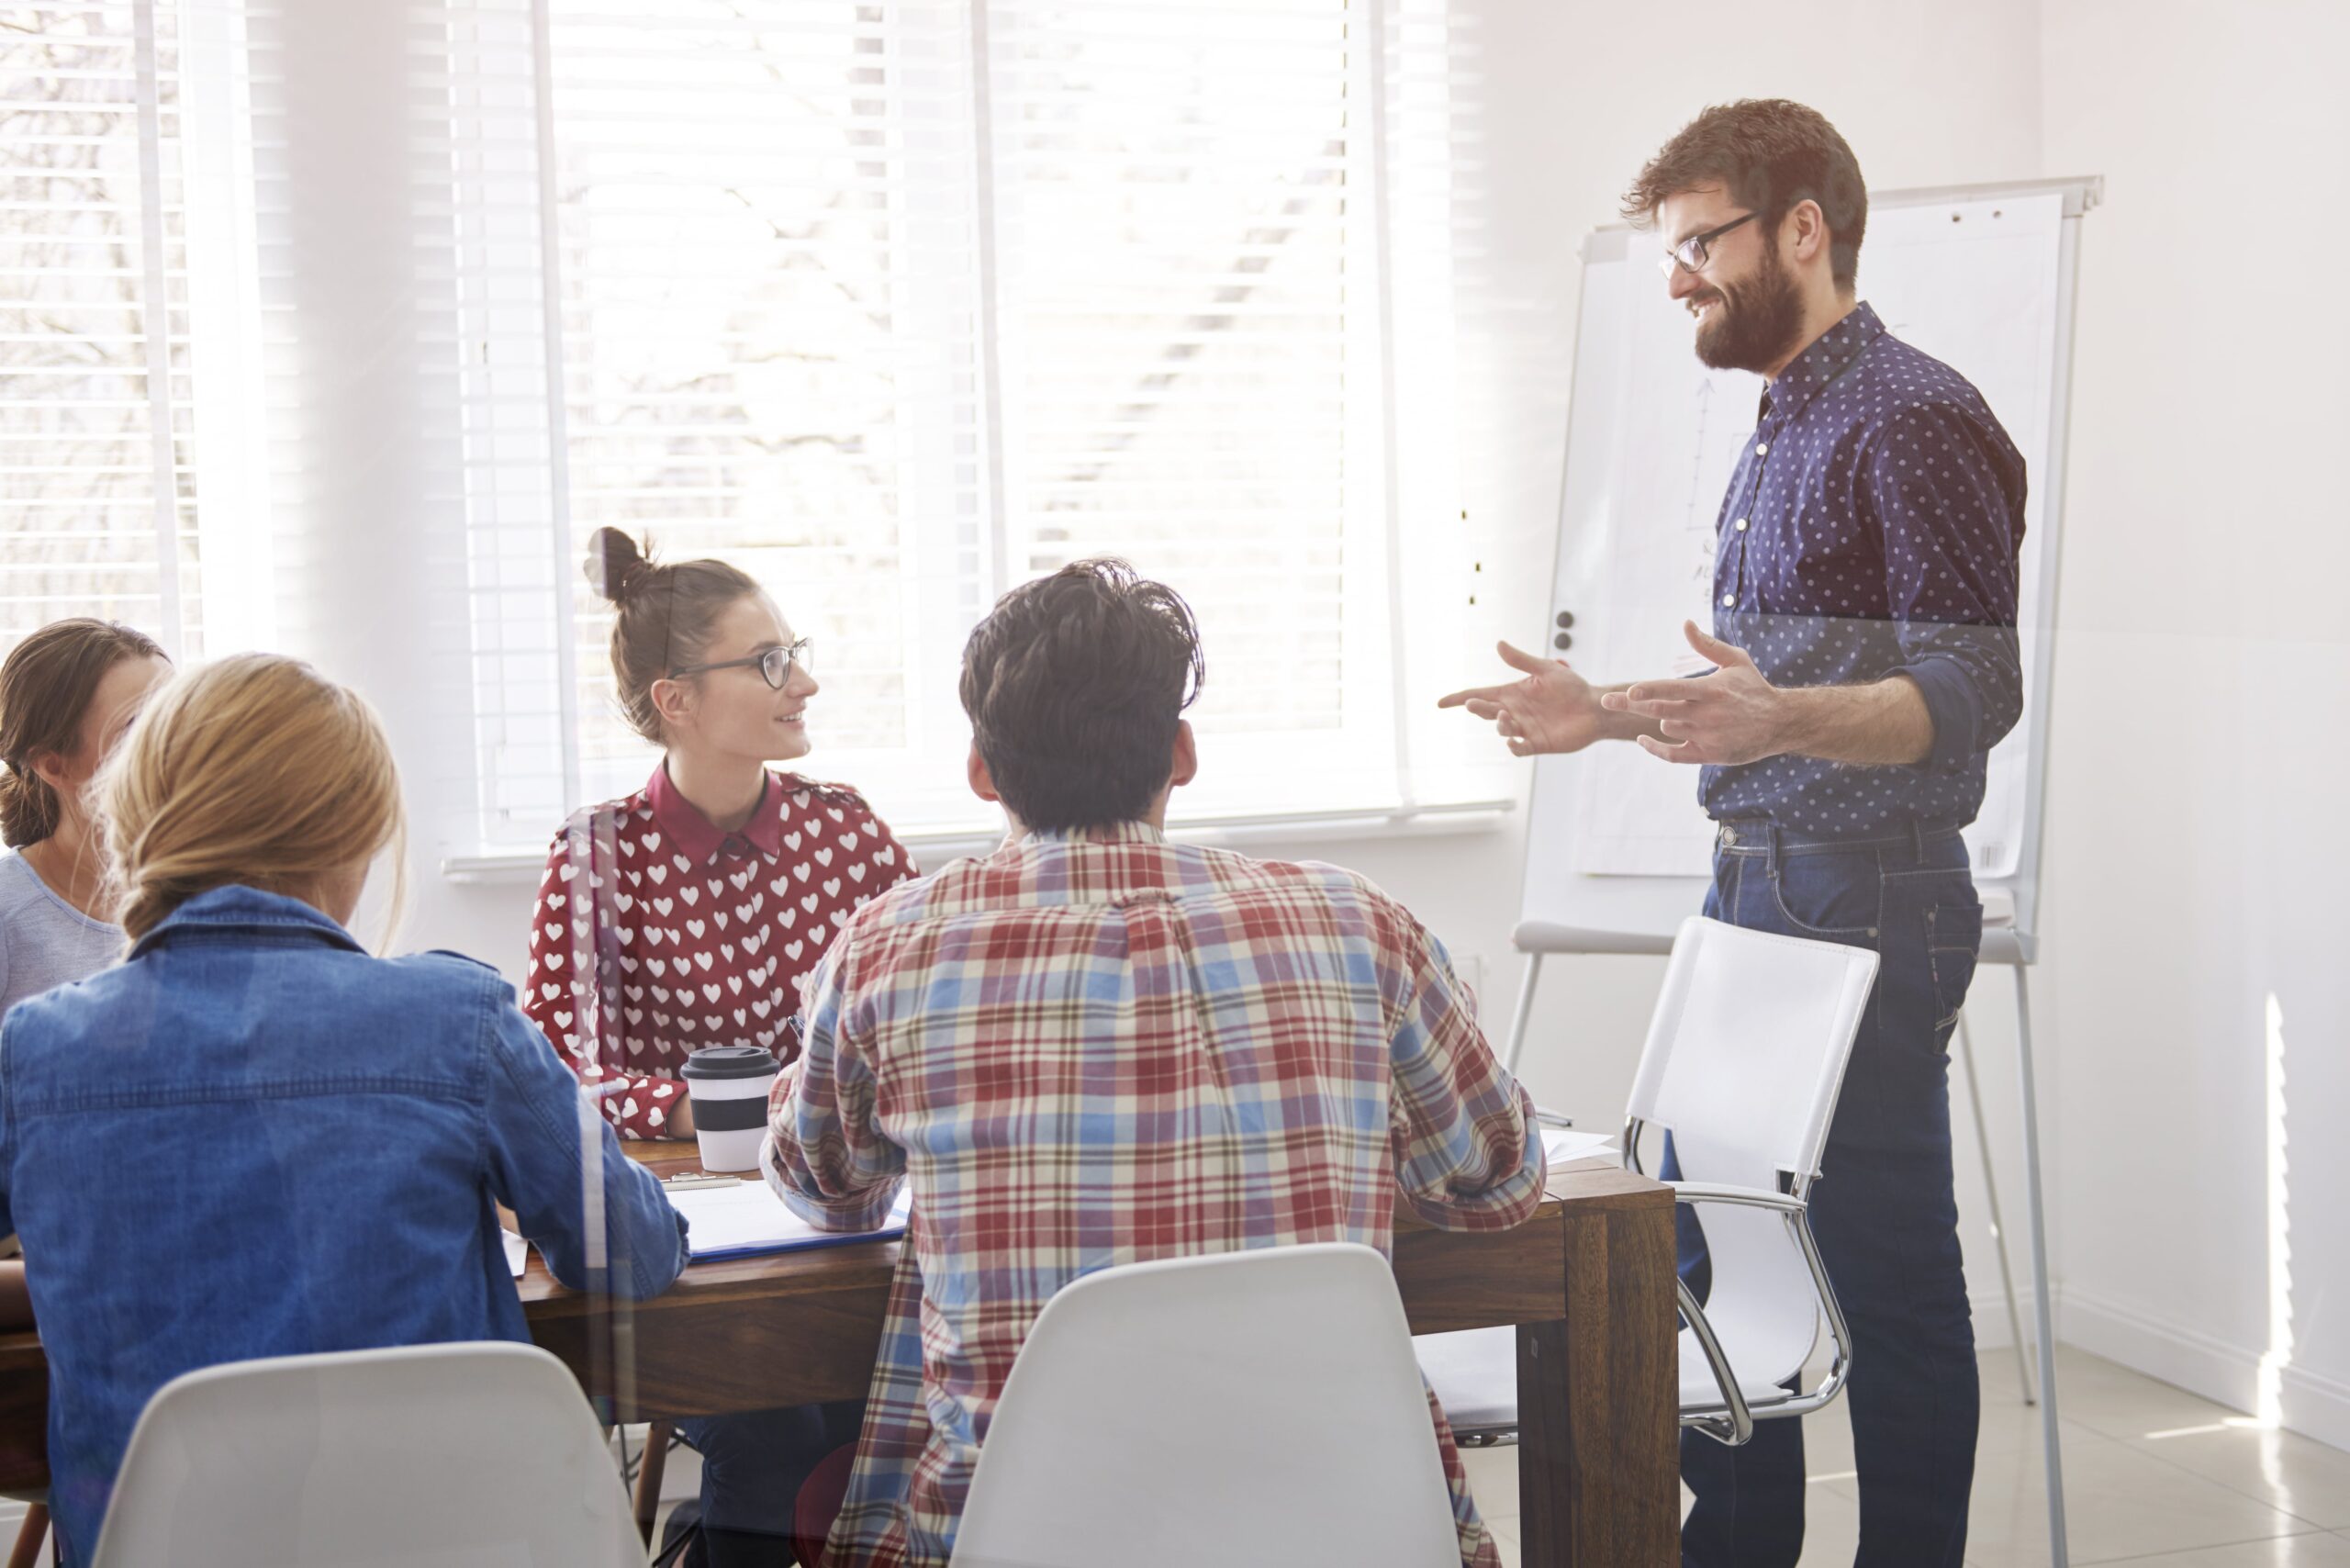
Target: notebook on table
{"points": [[747, 1218]]}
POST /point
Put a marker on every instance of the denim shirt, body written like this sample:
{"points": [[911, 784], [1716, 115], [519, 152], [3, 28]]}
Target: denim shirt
{"points": [[252, 1139]]}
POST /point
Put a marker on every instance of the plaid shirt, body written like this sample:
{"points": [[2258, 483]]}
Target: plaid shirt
{"points": [[1099, 1048]]}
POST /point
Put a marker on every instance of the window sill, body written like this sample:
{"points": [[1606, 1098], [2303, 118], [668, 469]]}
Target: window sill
{"points": [[935, 847]]}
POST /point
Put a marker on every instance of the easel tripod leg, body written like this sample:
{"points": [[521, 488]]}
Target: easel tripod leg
{"points": [[1524, 1015], [1998, 1225], [2044, 1318]]}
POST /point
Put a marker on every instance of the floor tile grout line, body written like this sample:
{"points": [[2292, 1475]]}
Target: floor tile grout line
{"points": [[2228, 1486], [2190, 1550]]}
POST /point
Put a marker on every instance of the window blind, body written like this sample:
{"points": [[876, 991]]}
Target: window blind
{"points": [[1187, 298], [896, 305], [97, 391], [757, 234]]}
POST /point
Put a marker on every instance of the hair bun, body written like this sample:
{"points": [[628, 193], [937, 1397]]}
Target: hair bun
{"points": [[616, 565], [28, 807]]}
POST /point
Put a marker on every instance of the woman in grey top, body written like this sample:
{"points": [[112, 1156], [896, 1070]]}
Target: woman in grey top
{"points": [[67, 693]]}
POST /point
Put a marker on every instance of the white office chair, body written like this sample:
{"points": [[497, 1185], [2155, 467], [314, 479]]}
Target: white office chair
{"points": [[1258, 1408], [1744, 1058], [427, 1453]]}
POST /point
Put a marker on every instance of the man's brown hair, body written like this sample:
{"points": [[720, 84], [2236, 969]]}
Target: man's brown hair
{"points": [[1076, 684], [1771, 154]]}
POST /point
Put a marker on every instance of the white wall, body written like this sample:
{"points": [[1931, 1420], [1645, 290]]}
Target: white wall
{"points": [[2203, 685], [2201, 680]]}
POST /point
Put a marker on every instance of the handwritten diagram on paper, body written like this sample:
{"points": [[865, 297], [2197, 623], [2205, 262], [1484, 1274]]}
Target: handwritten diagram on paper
{"points": [[1973, 284]]}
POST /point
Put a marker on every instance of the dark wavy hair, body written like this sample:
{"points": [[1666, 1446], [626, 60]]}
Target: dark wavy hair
{"points": [[1771, 154], [46, 686], [1076, 684], [665, 616]]}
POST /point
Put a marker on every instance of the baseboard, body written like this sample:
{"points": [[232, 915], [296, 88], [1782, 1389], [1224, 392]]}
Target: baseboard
{"points": [[2184, 1357], [1990, 1310], [2307, 1403], [2316, 1406]]}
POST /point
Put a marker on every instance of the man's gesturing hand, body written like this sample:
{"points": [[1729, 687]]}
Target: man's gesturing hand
{"points": [[1731, 716], [1552, 710]]}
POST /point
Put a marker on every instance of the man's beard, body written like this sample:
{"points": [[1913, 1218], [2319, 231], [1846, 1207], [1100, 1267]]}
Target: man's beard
{"points": [[1753, 328]]}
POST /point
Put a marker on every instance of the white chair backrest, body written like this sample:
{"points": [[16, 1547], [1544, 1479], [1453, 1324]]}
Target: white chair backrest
{"points": [[1240, 1408], [477, 1454], [1744, 1058], [1747, 1048]]}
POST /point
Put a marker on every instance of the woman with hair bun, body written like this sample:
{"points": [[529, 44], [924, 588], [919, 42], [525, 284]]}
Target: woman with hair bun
{"points": [[688, 913], [67, 693], [250, 1138]]}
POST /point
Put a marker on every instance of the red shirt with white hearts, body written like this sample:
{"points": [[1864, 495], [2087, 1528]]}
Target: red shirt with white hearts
{"points": [[699, 936]]}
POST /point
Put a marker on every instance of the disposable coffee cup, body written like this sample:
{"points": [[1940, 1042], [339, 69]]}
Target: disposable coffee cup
{"points": [[729, 1086]]}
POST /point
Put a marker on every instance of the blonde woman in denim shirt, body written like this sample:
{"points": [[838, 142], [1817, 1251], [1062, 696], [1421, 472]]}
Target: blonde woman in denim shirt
{"points": [[253, 1138]]}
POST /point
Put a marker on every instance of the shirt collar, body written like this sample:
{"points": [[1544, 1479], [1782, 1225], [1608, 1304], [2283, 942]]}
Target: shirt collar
{"points": [[238, 908], [699, 839], [1828, 357], [1101, 832], [1110, 863], [1040, 840]]}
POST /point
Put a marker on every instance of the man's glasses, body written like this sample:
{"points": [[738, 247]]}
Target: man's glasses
{"points": [[1691, 254], [774, 665]]}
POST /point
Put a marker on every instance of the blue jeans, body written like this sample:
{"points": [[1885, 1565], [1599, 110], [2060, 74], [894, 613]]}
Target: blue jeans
{"points": [[1883, 1210], [752, 1467]]}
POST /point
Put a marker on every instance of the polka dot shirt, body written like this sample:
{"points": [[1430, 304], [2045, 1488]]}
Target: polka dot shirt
{"points": [[1873, 527], [699, 938]]}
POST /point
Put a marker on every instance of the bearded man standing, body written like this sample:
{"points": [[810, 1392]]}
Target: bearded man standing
{"points": [[1866, 663]]}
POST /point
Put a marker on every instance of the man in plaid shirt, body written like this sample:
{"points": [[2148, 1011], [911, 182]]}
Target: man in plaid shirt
{"points": [[1096, 1047]]}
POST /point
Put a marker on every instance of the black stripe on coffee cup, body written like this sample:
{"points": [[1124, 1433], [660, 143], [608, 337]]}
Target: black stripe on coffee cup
{"points": [[730, 1116]]}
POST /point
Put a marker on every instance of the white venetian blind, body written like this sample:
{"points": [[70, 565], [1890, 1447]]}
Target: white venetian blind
{"points": [[96, 422], [1187, 296], [897, 304], [762, 230]]}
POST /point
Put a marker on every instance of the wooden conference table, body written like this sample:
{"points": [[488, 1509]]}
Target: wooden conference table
{"points": [[1588, 1281]]}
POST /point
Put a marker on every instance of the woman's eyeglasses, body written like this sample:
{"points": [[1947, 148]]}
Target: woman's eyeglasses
{"points": [[774, 665]]}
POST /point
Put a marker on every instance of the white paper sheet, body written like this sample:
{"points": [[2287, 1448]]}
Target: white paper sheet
{"points": [[1564, 1145], [746, 1218]]}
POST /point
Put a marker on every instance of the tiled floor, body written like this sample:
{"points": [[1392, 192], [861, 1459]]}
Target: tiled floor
{"points": [[2151, 1475]]}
